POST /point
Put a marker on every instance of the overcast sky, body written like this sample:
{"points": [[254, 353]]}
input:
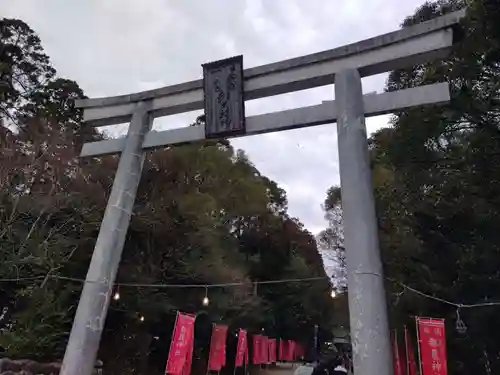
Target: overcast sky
{"points": [[113, 47]]}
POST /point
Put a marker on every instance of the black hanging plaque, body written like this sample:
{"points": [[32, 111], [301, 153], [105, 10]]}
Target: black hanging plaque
{"points": [[223, 96]]}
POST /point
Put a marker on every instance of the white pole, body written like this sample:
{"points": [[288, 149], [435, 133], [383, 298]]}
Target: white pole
{"points": [[237, 352], [370, 333], [406, 351], [418, 347], [85, 336]]}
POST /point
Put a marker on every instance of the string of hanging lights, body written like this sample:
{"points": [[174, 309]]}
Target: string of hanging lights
{"points": [[460, 325]]}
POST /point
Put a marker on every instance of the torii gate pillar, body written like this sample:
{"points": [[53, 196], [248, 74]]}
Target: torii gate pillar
{"points": [[367, 300]]}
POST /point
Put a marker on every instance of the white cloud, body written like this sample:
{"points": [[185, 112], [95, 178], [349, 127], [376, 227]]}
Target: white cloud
{"points": [[114, 47]]}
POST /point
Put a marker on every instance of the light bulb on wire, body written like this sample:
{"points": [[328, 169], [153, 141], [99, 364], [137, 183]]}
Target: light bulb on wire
{"points": [[460, 325], [333, 294], [206, 301], [116, 296], [141, 319]]}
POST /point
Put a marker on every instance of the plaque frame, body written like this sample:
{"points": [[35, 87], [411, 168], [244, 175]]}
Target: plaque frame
{"points": [[236, 117]]}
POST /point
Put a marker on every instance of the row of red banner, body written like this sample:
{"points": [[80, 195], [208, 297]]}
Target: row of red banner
{"points": [[217, 356], [265, 349], [431, 337], [180, 356]]}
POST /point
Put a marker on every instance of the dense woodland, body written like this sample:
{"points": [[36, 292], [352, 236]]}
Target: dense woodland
{"points": [[205, 215], [436, 174]]}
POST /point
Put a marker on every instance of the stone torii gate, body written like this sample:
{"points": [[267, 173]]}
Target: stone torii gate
{"points": [[222, 92]]}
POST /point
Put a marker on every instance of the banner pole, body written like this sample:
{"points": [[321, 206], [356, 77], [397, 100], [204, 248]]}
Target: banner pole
{"points": [[395, 349], [418, 347], [406, 352], [237, 352]]}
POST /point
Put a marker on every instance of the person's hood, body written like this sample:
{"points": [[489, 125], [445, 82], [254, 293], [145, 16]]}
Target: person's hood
{"points": [[340, 368]]}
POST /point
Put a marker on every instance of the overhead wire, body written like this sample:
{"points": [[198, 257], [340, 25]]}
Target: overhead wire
{"points": [[442, 300], [234, 284], [163, 285]]}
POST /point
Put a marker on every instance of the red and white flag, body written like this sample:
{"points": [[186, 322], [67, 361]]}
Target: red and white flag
{"points": [[257, 339], [217, 357], [272, 350], [264, 350], [282, 350], [291, 350], [432, 342], [242, 349], [181, 348]]}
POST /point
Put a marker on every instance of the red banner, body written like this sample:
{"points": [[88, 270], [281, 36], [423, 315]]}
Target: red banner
{"points": [[298, 351], [301, 351], [264, 350], [282, 350], [432, 341], [242, 349], [217, 357], [272, 351], [410, 355], [398, 358], [224, 353], [181, 347], [189, 357], [257, 349], [286, 350], [291, 350]]}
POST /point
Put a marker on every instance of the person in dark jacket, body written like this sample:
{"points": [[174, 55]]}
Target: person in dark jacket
{"points": [[327, 366], [320, 369], [336, 366]]}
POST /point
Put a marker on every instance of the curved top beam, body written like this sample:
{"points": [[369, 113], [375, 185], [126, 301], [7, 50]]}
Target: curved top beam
{"points": [[293, 74]]}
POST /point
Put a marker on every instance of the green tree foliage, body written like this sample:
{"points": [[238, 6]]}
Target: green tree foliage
{"points": [[31, 95], [204, 215], [24, 68], [435, 174]]}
